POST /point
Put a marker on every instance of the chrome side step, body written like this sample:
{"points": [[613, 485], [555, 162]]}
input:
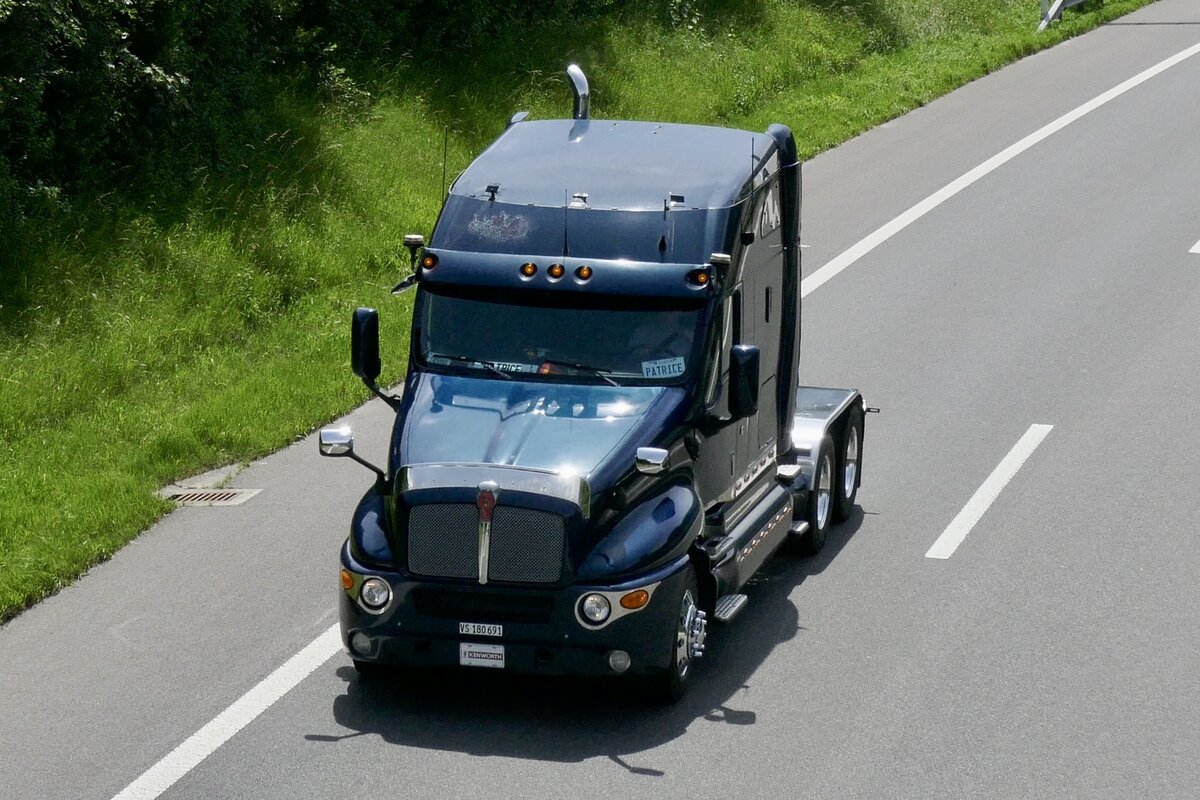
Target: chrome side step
{"points": [[729, 606], [799, 527]]}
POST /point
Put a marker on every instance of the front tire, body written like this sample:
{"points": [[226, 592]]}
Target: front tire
{"points": [[687, 643], [370, 670]]}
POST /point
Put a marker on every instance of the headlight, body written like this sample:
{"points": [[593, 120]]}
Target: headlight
{"points": [[595, 608], [375, 593]]}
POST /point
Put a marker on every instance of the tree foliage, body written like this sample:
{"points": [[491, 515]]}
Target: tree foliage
{"points": [[98, 93]]}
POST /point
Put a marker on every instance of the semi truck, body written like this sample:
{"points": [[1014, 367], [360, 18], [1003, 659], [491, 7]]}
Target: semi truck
{"points": [[602, 435]]}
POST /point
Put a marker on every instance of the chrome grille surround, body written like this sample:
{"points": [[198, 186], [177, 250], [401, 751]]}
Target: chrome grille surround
{"points": [[573, 489]]}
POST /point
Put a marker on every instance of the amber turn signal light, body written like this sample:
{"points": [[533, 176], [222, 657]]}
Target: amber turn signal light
{"points": [[635, 600], [347, 580]]}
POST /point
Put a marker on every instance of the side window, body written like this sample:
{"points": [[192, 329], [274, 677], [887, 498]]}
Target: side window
{"points": [[737, 318], [770, 216], [731, 334]]}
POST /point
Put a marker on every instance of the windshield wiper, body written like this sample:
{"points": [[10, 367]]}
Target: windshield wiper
{"points": [[599, 373], [469, 360]]}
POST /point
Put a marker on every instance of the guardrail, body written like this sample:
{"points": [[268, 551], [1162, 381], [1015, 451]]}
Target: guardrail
{"points": [[1052, 11]]}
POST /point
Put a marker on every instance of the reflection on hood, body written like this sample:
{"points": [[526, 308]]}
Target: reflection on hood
{"points": [[542, 425]]}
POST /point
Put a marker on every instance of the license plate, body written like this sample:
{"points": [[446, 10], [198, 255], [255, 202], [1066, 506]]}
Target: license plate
{"points": [[479, 629], [471, 654]]}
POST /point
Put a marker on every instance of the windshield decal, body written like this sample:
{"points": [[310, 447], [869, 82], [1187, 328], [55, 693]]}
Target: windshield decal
{"points": [[503, 366], [514, 366], [663, 368]]}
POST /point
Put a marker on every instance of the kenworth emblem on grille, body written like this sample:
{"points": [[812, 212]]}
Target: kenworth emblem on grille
{"points": [[485, 501]]}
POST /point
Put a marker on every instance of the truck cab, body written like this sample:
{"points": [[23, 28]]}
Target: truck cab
{"points": [[601, 436]]}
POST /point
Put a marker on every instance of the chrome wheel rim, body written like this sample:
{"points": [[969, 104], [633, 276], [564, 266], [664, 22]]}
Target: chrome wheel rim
{"points": [[850, 470], [689, 634], [824, 491]]}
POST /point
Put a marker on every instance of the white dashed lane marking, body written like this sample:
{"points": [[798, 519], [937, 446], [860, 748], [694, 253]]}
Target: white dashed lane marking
{"points": [[986, 494]]}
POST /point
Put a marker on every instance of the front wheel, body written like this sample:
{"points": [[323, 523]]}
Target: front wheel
{"points": [[687, 643], [371, 670]]}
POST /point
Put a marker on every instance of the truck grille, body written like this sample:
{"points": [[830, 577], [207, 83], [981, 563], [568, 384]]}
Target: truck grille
{"points": [[526, 544]]}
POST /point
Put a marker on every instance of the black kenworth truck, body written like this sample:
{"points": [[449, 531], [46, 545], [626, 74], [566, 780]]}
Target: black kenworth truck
{"points": [[601, 436]]}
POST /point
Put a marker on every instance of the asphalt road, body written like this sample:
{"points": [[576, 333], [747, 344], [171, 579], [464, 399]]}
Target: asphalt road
{"points": [[1056, 653]]}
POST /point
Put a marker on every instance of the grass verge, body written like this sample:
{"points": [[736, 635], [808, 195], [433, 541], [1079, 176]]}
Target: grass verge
{"points": [[151, 336]]}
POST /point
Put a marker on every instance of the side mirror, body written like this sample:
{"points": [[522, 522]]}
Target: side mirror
{"points": [[743, 381], [364, 345]]}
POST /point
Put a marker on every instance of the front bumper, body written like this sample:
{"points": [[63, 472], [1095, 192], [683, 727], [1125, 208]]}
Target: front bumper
{"points": [[542, 633]]}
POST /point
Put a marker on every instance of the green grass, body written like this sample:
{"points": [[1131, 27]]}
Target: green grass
{"points": [[153, 335]]}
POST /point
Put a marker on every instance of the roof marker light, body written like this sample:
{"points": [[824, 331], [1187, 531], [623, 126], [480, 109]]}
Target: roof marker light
{"points": [[584, 273], [429, 261], [699, 277], [556, 271], [528, 269]]}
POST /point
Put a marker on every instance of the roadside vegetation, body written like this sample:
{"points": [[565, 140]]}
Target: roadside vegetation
{"points": [[194, 197]]}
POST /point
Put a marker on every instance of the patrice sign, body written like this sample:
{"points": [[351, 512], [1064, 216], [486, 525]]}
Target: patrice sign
{"points": [[663, 368]]}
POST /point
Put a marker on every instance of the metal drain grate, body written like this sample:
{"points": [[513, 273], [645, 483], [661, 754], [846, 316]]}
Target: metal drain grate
{"points": [[211, 497]]}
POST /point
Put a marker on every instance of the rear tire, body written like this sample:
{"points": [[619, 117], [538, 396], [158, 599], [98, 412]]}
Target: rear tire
{"points": [[849, 460], [821, 500]]}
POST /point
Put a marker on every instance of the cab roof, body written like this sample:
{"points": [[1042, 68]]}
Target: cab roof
{"points": [[618, 165]]}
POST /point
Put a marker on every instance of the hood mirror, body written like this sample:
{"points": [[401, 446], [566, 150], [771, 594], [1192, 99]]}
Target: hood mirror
{"points": [[336, 442], [651, 460], [339, 443]]}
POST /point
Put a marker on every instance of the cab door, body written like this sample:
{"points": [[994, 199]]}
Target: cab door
{"points": [[762, 290]]}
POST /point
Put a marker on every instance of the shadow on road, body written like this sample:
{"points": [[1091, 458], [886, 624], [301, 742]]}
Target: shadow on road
{"points": [[570, 719]]}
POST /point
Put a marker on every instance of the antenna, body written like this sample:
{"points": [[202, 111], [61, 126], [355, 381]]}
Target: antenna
{"points": [[566, 198]]}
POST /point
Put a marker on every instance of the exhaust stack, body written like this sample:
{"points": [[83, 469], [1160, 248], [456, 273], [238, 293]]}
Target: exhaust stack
{"points": [[579, 85]]}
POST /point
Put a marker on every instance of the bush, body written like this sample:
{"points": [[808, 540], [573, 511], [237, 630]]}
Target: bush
{"points": [[98, 93]]}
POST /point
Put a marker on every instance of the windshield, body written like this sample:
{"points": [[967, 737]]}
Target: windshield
{"points": [[609, 339]]}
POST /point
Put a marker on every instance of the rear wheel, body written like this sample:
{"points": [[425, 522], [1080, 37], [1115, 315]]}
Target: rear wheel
{"points": [[821, 500], [687, 643], [848, 465]]}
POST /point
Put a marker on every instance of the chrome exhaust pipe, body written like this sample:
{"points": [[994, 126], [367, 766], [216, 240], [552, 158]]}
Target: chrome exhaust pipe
{"points": [[579, 86]]}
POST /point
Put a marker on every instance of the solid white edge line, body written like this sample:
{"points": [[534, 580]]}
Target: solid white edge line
{"points": [[890, 229], [201, 744], [987, 493]]}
